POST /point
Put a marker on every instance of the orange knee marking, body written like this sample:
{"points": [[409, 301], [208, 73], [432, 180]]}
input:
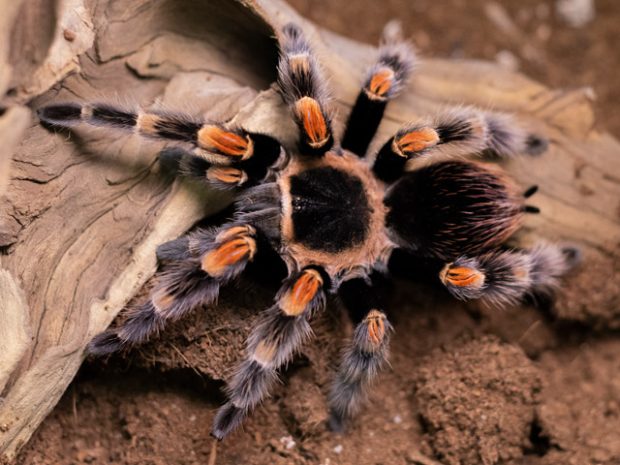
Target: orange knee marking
{"points": [[216, 139], [217, 260], [265, 352], [299, 64], [415, 141], [303, 291], [521, 273], [462, 276], [381, 82], [227, 174], [243, 230], [311, 116], [161, 300], [146, 123], [376, 326]]}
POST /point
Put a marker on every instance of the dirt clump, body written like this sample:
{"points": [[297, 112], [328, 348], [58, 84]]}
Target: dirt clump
{"points": [[477, 401]]}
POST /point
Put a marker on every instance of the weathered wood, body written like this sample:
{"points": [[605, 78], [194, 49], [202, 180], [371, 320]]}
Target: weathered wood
{"points": [[82, 215], [12, 120]]}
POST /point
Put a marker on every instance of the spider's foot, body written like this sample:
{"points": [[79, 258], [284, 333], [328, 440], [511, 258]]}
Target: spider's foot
{"points": [[227, 419], [336, 423], [104, 343]]}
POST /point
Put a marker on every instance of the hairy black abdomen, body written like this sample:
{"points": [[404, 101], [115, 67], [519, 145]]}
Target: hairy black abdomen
{"points": [[452, 208], [330, 209]]}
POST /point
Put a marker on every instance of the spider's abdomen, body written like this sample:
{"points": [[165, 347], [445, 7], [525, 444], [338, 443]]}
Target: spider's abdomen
{"points": [[454, 208], [330, 210]]}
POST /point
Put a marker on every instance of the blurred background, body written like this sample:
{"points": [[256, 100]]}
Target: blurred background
{"points": [[562, 43]]}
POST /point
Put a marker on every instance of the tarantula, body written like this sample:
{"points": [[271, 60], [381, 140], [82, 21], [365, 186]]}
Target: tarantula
{"points": [[334, 216]]}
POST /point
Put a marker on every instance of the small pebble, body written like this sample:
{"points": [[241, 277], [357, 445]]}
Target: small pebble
{"points": [[288, 442], [577, 13], [507, 60], [338, 449], [397, 419], [69, 35]]}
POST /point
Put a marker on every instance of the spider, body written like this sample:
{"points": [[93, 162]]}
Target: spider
{"points": [[334, 216]]}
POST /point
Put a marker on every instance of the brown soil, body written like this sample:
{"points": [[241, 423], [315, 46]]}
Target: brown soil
{"points": [[466, 385]]}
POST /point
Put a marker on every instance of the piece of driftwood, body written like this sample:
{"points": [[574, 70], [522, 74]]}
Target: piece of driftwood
{"points": [[14, 119], [83, 213]]}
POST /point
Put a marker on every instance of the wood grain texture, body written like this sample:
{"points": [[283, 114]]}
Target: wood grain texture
{"points": [[84, 212]]}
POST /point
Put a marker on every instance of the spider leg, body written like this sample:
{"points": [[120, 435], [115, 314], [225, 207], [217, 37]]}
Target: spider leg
{"points": [[238, 174], [191, 278], [213, 142], [303, 88], [384, 81], [504, 278], [365, 354], [280, 331], [455, 133]]}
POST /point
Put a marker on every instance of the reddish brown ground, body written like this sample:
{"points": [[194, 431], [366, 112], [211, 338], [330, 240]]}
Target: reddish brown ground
{"points": [[466, 386]]}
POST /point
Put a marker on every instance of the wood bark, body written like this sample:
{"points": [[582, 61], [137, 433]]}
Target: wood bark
{"points": [[82, 213]]}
